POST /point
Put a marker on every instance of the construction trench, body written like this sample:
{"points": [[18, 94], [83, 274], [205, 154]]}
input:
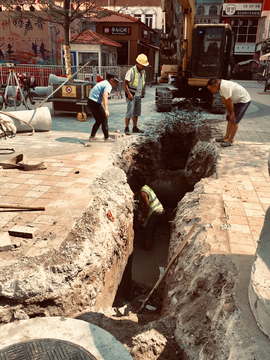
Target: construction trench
{"points": [[90, 276]]}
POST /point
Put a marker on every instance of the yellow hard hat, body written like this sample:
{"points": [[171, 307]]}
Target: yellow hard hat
{"points": [[142, 60]]}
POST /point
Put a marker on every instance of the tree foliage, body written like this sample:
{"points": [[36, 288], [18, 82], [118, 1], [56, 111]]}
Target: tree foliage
{"points": [[65, 13]]}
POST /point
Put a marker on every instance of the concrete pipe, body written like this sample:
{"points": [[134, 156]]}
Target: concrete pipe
{"points": [[39, 118], [53, 79], [39, 91]]}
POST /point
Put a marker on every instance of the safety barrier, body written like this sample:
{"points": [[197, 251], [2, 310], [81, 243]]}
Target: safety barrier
{"points": [[42, 72]]}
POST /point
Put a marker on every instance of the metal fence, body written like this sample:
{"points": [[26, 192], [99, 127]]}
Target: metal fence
{"points": [[42, 72]]}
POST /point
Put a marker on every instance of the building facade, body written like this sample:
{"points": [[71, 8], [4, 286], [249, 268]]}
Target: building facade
{"points": [[263, 39], [244, 18], [134, 36], [148, 11], [208, 11]]}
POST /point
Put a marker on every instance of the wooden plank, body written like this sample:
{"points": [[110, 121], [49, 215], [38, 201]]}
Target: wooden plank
{"points": [[24, 207]]}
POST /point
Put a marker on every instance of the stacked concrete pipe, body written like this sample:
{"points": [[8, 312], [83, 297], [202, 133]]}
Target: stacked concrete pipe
{"points": [[259, 286]]}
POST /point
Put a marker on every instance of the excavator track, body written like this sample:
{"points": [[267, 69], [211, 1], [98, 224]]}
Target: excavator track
{"points": [[163, 99], [217, 105]]}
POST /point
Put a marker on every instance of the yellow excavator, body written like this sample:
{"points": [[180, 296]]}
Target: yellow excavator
{"points": [[201, 52]]}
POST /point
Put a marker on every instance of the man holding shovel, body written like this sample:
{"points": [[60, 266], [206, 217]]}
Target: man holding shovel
{"points": [[98, 96]]}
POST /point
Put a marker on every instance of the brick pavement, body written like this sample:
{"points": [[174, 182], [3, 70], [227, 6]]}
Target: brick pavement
{"points": [[62, 188], [243, 174]]}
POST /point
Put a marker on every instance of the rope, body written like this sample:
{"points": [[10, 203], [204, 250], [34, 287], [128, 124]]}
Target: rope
{"points": [[15, 117]]}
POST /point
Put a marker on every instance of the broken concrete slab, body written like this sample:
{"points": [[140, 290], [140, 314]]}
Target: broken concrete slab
{"points": [[22, 231], [5, 243], [116, 135]]}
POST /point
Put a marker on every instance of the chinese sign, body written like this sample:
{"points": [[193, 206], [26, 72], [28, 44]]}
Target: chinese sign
{"points": [[117, 30], [244, 48], [69, 91], [241, 9], [27, 24], [26, 41]]}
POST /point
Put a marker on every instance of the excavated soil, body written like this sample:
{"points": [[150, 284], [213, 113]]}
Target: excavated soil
{"points": [[154, 333], [188, 316]]}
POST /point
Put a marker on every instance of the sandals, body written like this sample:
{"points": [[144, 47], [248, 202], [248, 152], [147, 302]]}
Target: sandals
{"points": [[220, 140], [226, 144]]}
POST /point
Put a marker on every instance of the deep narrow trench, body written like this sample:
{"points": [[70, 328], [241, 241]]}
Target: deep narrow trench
{"points": [[172, 163], [173, 157]]}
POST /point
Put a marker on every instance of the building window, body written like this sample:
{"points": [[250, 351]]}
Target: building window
{"points": [[213, 10], [149, 20], [200, 10], [138, 16], [245, 29], [84, 57], [105, 59], [137, 13]]}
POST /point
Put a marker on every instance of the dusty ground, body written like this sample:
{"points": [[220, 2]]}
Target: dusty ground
{"points": [[190, 319]]}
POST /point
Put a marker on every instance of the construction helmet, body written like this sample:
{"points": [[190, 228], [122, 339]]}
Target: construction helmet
{"points": [[142, 60]]}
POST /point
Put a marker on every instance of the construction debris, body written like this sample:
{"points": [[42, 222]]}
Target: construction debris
{"points": [[22, 231], [21, 162], [5, 243]]}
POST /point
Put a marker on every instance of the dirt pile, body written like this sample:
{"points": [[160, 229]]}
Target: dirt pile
{"points": [[200, 285]]}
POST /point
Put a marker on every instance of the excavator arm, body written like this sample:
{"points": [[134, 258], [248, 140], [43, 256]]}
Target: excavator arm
{"points": [[191, 55], [175, 48]]}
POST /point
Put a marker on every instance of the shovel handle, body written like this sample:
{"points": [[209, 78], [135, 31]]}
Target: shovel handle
{"points": [[168, 267], [26, 207]]}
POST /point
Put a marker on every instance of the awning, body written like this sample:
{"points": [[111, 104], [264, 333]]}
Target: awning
{"points": [[265, 57], [150, 46], [248, 62]]}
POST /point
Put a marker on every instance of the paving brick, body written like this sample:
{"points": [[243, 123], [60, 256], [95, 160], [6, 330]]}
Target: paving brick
{"points": [[22, 231], [5, 242]]}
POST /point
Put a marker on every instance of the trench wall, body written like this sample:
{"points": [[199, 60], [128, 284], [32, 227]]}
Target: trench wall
{"points": [[84, 273]]}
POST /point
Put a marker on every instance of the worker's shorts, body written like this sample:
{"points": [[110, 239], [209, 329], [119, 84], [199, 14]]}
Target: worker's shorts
{"points": [[239, 111], [133, 107]]}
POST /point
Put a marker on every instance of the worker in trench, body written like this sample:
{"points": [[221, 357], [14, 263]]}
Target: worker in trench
{"points": [[150, 209]]}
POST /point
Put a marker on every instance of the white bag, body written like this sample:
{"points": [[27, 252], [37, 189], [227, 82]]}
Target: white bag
{"points": [[7, 128]]}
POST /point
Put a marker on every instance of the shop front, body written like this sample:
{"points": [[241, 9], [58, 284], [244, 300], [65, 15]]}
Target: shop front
{"points": [[244, 20], [135, 38], [93, 48]]}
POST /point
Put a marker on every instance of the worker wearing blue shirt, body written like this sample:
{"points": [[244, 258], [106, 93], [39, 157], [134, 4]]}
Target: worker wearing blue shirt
{"points": [[98, 105]]}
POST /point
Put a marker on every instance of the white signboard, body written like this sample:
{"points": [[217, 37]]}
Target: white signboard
{"points": [[230, 10], [244, 49]]}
